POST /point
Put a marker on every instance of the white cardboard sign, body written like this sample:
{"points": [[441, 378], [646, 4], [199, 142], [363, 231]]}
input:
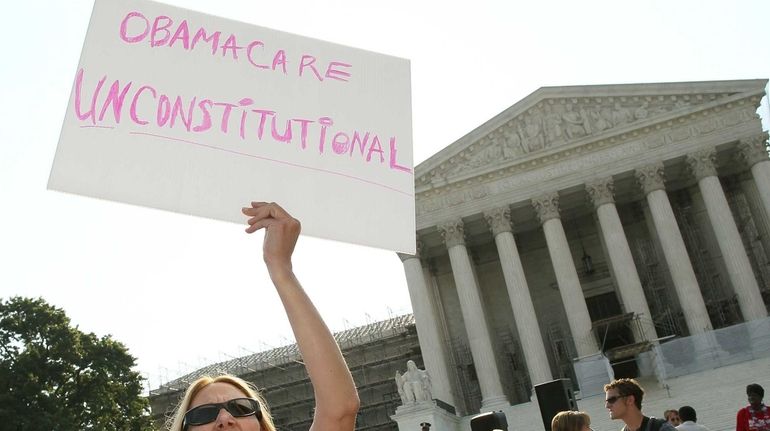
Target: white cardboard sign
{"points": [[182, 111]]}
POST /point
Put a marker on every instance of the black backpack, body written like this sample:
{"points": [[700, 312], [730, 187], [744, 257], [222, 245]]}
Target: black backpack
{"points": [[655, 424]]}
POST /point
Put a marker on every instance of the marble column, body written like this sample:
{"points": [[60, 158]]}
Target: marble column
{"points": [[547, 208], [499, 220], [601, 192], [754, 152], [739, 269], [492, 395], [425, 317], [674, 251], [761, 223]]}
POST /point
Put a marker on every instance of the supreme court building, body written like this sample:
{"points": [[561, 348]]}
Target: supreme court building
{"points": [[585, 222]]}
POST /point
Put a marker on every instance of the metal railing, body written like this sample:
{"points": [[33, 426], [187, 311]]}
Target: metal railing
{"points": [[725, 346]]}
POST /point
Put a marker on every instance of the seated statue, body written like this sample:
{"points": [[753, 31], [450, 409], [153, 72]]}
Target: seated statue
{"points": [[414, 385]]}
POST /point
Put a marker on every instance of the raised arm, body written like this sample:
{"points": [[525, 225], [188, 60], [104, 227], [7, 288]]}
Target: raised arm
{"points": [[335, 392]]}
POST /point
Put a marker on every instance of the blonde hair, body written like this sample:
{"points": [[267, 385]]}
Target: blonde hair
{"points": [[174, 423], [570, 421]]}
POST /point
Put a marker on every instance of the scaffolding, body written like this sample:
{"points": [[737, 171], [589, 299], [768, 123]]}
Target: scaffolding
{"points": [[373, 352], [465, 373], [562, 351], [515, 376], [713, 287]]}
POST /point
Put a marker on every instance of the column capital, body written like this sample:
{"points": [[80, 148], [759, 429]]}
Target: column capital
{"points": [[651, 177], [404, 257], [453, 232], [702, 163], [601, 191], [546, 206], [499, 220], [753, 150]]}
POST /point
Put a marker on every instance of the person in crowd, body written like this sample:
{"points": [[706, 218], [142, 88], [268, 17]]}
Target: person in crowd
{"points": [[688, 416], [672, 417], [755, 416], [571, 421], [229, 403], [623, 400]]}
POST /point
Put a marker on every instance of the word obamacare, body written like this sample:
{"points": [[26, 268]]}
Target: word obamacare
{"points": [[162, 31], [146, 106]]}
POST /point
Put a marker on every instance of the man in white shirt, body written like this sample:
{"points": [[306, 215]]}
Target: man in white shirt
{"points": [[687, 414]]}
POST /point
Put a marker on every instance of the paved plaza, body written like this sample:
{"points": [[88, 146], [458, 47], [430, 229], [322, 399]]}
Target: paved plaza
{"points": [[715, 394]]}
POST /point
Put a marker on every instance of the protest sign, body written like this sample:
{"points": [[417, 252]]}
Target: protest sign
{"points": [[187, 112]]}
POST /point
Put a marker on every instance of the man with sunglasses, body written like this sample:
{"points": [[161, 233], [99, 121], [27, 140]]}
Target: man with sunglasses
{"points": [[623, 400]]}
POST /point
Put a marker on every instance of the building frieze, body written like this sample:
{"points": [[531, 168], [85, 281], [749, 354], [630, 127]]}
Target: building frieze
{"points": [[535, 170], [531, 179], [684, 116]]}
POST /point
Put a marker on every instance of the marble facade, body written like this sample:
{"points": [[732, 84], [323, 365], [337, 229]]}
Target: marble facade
{"points": [[577, 205]]}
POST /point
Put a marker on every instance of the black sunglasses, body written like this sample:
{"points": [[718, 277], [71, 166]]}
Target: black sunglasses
{"points": [[611, 400], [205, 413]]}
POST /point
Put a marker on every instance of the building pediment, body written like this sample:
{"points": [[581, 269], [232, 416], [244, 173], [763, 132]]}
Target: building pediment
{"points": [[559, 118]]}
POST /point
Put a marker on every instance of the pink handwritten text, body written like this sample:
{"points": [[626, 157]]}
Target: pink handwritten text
{"points": [[163, 31], [146, 106]]}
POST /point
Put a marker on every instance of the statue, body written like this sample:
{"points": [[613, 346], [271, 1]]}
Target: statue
{"points": [[511, 143], [553, 125], [575, 123], [641, 112], [414, 385], [621, 115], [530, 133], [400, 381], [602, 119]]}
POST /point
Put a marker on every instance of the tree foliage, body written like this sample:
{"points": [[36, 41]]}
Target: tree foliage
{"points": [[55, 377]]}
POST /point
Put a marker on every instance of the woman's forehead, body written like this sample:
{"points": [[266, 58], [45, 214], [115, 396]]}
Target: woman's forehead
{"points": [[216, 392]]}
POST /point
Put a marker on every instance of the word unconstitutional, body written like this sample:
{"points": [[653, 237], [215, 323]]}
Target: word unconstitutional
{"points": [[146, 106], [136, 28]]}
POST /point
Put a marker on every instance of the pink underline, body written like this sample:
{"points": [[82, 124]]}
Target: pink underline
{"points": [[98, 127], [273, 160]]}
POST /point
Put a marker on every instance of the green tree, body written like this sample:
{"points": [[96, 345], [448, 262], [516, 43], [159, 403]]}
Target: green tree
{"points": [[55, 377]]}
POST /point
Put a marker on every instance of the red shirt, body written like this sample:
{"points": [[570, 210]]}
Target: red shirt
{"points": [[753, 420]]}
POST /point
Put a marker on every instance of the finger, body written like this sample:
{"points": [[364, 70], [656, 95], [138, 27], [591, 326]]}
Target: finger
{"points": [[252, 209], [260, 212], [276, 210], [259, 225], [254, 205], [256, 219]]}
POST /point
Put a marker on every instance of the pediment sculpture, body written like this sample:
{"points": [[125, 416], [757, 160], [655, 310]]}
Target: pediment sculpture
{"points": [[555, 122]]}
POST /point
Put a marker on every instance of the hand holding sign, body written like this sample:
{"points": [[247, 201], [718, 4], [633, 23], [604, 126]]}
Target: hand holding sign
{"points": [[281, 232]]}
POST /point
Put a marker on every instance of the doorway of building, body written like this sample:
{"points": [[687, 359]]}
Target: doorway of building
{"points": [[613, 331]]}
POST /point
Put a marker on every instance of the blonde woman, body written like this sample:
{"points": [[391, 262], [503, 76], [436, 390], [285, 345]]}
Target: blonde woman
{"points": [[229, 403], [571, 421]]}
